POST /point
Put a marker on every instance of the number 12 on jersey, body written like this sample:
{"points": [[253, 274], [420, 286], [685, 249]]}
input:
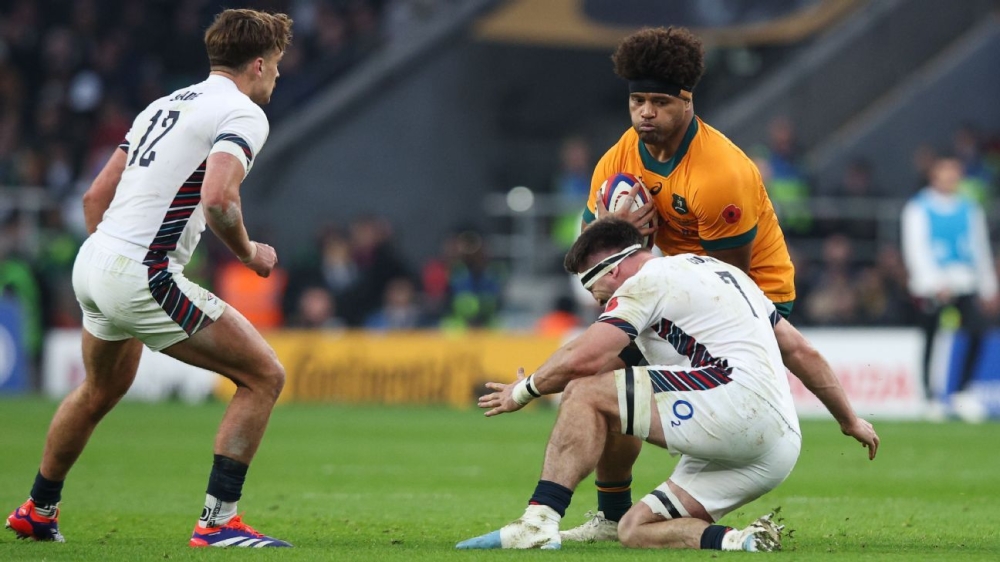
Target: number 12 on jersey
{"points": [[149, 154]]}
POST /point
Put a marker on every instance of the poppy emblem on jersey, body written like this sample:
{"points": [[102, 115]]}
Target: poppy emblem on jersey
{"points": [[731, 214], [680, 204], [612, 304]]}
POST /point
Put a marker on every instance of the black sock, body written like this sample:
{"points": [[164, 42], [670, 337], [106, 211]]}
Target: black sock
{"points": [[553, 495], [226, 480], [46, 492], [614, 498], [711, 538]]}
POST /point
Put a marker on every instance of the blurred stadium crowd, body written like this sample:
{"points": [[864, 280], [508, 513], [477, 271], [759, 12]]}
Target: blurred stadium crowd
{"points": [[73, 74]]}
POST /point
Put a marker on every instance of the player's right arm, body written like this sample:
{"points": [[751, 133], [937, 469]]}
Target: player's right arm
{"points": [[802, 359], [220, 195], [98, 198], [594, 350]]}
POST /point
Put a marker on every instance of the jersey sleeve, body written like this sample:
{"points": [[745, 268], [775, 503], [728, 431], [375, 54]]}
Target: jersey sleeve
{"points": [[124, 145], [631, 308], [772, 312], [727, 206], [242, 133]]}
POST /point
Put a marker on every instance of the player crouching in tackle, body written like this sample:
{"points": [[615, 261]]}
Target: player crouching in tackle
{"points": [[715, 393]]}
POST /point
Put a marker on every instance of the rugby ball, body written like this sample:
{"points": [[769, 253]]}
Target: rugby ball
{"points": [[614, 194]]}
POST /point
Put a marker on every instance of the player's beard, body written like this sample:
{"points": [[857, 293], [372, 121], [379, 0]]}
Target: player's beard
{"points": [[653, 137]]}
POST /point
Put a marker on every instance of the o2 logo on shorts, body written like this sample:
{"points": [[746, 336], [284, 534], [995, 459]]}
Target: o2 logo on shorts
{"points": [[683, 410]]}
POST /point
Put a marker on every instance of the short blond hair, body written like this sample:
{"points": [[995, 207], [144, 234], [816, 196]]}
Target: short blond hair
{"points": [[237, 37]]}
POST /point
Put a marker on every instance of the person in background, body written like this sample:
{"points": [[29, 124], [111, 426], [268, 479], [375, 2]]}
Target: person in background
{"points": [[561, 320], [317, 310], [947, 252], [400, 308]]}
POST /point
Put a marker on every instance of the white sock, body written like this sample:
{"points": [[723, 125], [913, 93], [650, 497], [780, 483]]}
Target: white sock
{"points": [[216, 512], [47, 510]]}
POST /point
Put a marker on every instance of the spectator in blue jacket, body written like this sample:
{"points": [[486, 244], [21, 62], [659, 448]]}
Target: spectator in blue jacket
{"points": [[946, 247]]}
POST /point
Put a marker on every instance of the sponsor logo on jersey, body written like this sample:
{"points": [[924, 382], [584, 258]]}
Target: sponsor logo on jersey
{"points": [[654, 189], [612, 304], [680, 205], [731, 214]]}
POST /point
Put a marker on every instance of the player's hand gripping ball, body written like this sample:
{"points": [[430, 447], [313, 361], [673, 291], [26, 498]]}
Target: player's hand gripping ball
{"points": [[614, 193]]}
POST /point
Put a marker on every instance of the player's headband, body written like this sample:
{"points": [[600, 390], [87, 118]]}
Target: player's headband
{"points": [[589, 277], [653, 86]]}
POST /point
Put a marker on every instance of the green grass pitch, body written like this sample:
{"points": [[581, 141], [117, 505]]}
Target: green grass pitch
{"points": [[406, 483]]}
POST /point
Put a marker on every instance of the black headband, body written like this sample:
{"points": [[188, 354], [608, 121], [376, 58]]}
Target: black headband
{"points": [[654, 86]]}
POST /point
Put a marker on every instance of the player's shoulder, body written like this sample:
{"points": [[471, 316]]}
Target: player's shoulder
{"points": [[689, 267], [714, 146], [626, 143], [650, 276], [715, 161], [220, 95], [667, 279]]}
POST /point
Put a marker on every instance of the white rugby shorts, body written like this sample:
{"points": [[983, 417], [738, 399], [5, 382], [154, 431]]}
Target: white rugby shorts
{"points": [[123, 298], [735, 446]]}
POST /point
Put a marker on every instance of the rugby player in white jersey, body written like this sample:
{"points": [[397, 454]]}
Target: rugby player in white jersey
{"points": [[715, 393], [180, 167]]}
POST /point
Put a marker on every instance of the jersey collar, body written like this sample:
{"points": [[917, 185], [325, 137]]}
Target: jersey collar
{"points": [[665, 168]]}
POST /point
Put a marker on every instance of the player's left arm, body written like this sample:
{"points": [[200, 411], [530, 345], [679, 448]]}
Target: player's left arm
{"points": [[102, 190], [727, 205], [802, 359], [594, 351], [239, 136]]}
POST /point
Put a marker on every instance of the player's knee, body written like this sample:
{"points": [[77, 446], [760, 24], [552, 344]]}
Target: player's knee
{"points": [[628, 531], [577, 390], [99, 400], [273, 377]]}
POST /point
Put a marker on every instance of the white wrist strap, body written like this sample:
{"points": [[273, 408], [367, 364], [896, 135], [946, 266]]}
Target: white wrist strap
{"points": [[524, 391]]}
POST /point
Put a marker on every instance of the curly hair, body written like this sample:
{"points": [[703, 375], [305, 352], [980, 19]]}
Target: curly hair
{"points": [[602, 235], [671, 54]]}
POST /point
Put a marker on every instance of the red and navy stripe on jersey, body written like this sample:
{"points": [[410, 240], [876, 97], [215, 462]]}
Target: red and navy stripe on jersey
{"points": [[238, 141], [697, 379], [708, 371], [161, 283], [775, 318], [621, 325]]}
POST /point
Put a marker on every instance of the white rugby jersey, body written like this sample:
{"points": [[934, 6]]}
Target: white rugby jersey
{"points": [[702, 323], [156, 216]]}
